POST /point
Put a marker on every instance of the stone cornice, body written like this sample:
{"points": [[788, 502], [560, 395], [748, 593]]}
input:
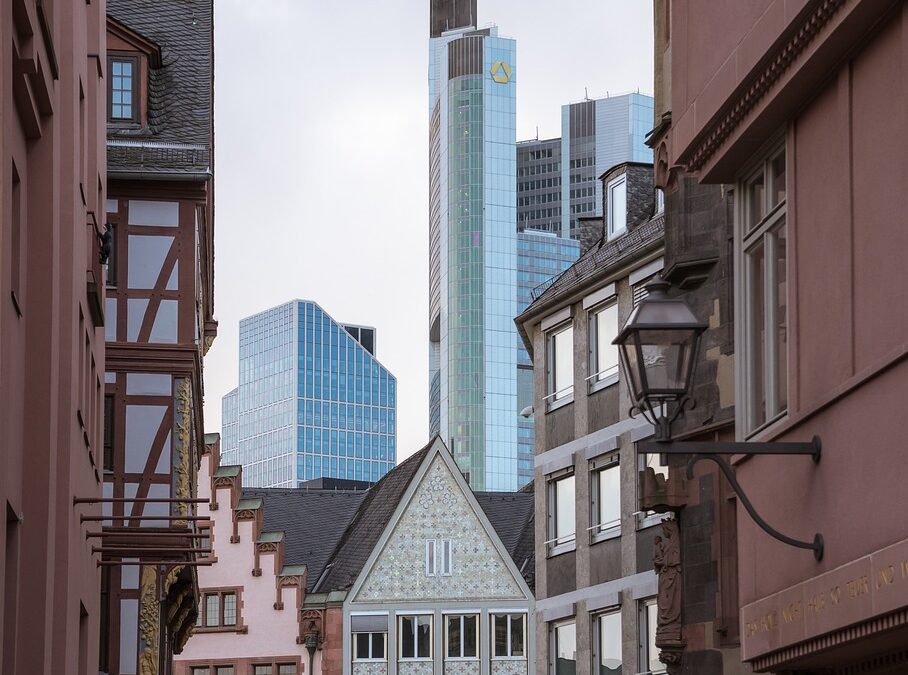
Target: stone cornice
{"points": [[758, 83]]}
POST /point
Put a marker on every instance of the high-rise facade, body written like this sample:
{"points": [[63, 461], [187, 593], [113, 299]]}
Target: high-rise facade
{"points": [[541, 256], [473, 244], [596, 135], [312, 400]]}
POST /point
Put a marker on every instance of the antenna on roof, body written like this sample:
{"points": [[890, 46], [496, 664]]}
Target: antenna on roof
{"points": [[586, 94], [537, 132]]}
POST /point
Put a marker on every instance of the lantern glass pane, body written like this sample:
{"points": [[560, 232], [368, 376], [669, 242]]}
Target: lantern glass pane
{"points": [[667, 358]]}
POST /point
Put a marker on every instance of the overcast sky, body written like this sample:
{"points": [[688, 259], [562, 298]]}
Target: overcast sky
{"points": [[321, 145]]}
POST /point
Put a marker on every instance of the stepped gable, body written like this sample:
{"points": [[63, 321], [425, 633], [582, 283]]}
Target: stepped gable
{"points": [[373, 515], [313, 522]]}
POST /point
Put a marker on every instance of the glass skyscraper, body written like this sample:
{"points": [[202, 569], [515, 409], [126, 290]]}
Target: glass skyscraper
{"points": [[541, 256], [312, 401], [473, 245]]}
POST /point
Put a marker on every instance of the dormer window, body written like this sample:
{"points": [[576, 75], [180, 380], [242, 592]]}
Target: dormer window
{"points": [[123, 93], [617, 205]]}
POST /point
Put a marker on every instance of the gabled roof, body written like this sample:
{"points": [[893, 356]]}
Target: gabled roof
{"points": [[512, 516], [600, 260], [313, 521], [371, 519], [179, 134]]}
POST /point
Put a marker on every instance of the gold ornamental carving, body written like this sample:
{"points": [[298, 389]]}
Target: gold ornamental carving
{"points": [[171, 578], [183, 482], [149, 618]]}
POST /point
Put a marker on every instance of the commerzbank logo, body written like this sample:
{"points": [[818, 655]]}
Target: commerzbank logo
{"points": [[501, 72]]}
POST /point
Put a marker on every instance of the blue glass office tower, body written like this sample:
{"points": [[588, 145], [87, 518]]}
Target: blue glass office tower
{"points": [[473, 245], [312, 401], [541, 256]]}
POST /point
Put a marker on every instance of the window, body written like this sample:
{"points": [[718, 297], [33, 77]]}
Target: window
{"points": [[608, 646], [369, 646], [649, 653], [438, 557], [606, 499], [763, 307], [461, 636], [564, 649], [224, 670], [561, 366], [617, 206], [660, 201], [123, 103], [416, 637], [509, 636], [205, 540], [286, 669], [218, 610], [603, 354], [561, 515]]}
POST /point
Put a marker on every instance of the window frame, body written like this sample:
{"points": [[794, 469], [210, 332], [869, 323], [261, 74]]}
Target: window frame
{"points": [[756, 416], [643, 640], [552, 400], [220, 627], [556, 545], [510, 616], [553, 637], [597, 630], [135, 58], [447, 618], [371, 658], [611, 230], [436, 547], [596, 384], [597, 533], [400, 637]]}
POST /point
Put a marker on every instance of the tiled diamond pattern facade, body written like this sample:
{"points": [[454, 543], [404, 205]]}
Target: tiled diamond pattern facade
{"points": [[439, 510]]}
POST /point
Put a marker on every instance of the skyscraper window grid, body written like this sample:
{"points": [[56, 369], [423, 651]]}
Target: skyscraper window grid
{"points": [[312, 401]]}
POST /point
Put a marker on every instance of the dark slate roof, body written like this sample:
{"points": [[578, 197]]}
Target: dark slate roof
{"points": [[178, 137], [512, 516], [371, 518], [313, 522], [601, 257]]}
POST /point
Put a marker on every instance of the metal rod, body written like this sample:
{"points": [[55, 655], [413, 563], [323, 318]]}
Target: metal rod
{"points": [[153, 549], [170, 563], [133, 531], [85, 519], [159, 500], [816, 545], [812, 448]]}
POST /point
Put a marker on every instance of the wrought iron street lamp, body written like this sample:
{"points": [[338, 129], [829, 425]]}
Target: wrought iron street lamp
{"points": [[658, 347]]}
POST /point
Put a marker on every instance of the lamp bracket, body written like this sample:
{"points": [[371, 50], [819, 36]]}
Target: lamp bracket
{"points": [[713, 451]]}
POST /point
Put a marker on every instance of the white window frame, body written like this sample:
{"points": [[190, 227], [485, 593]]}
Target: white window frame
{"points": [[601, 531], [558, 544], [660, 201], [595, 383], [644, 638], [439, 552], [510, 616], [431, 558], [447, 618], [400, 637], [618, 181], [555, 399], [370, 659], [747, 237]]}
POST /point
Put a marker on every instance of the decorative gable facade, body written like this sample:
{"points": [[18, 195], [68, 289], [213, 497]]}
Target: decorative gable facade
{"points": [[416, 575], [439, 593]]}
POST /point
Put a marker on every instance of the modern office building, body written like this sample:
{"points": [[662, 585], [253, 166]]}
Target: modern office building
{"points": [[596, 134], [541, 256], [473, 244], [312, 401]]}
